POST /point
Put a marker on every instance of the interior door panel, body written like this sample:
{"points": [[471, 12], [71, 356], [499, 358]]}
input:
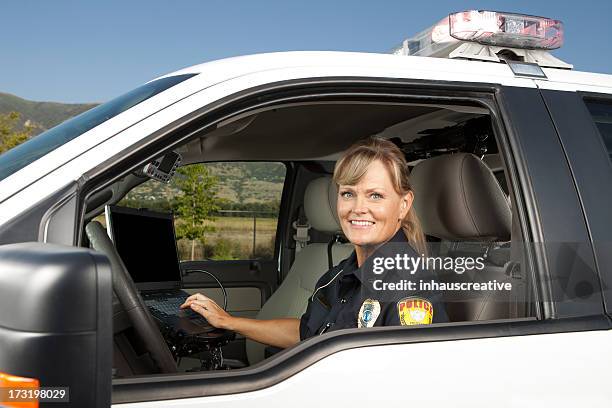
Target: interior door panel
{"points": [[248, 284], [261, 275]]}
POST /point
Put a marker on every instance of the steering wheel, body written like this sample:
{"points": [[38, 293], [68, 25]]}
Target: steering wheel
{"points": [[126, 291]]}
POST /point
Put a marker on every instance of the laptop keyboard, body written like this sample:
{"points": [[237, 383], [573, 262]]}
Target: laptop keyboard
{"points": [[165, 305]]}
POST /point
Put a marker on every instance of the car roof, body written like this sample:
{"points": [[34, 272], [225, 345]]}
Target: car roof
{"points": [[386, 65], [443, 69]]}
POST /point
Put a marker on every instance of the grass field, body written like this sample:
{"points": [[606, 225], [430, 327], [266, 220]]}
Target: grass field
{"points": [[233, 239]]}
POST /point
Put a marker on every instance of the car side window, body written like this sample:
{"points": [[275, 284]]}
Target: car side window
{"points": [[223, 210], [602, 116]]}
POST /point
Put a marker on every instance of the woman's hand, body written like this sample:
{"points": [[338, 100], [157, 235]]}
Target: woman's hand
{"points": [[210, 310], [281, 333]]}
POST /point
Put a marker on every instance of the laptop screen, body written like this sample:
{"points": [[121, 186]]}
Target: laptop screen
{"points": [[145, 242]]}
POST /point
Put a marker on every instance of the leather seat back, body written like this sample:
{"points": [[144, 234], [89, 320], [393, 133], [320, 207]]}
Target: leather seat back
{"points": [[291, 297], [459, 200]]}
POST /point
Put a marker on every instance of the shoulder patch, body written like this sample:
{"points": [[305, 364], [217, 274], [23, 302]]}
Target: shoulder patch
{"points": [[368, 313], [414, 310]]}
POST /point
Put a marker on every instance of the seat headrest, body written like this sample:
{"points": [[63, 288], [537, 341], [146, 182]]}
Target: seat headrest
{"points": [[320, 204], [457, 197]]}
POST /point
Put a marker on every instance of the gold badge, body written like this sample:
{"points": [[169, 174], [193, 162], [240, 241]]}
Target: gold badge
{"points": [[414, 310], [368, 313]]}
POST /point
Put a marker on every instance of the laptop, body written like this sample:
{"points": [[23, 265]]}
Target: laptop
{"points": [[146, 243]]}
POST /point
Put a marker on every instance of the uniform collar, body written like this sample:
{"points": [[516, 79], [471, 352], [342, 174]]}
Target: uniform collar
{"points": [[399, 236], [388, 249], [350, 265]]}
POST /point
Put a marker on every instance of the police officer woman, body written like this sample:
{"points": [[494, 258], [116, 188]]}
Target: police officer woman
{"points": [[375, 212]]}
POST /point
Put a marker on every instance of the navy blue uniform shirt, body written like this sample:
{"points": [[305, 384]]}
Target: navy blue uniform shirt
{"points": [[346, 294]]}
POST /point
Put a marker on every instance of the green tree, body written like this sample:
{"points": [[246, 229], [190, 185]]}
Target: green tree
{"points": [[9, 136], [195, 204]]}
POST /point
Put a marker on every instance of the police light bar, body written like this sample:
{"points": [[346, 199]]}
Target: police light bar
{"points": [[490, 28]]}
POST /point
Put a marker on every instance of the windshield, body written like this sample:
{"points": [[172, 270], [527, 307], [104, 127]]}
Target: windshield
{"points": [[26, 153]]}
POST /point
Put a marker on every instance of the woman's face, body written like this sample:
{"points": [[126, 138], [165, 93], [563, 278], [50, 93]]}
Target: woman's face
{"points": [[370, 210]]}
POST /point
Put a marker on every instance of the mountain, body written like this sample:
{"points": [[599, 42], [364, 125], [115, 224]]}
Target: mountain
{"points": [[237, 182], [41, 115]]}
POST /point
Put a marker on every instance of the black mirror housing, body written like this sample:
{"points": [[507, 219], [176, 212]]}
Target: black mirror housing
{"points": [[56, 319]]}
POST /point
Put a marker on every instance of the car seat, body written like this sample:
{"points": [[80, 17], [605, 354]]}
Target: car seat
{"points": [[311, 262], [458, 200]]}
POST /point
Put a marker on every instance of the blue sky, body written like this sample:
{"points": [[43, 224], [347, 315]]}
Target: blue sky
{"points": [[91, 51]]}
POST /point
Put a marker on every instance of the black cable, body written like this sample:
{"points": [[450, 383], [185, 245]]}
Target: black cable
{"points": [[215, 278], [330, 259], [335, 238]]}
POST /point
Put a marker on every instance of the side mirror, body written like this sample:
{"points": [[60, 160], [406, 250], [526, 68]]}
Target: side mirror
{"points": [[56, 320]]}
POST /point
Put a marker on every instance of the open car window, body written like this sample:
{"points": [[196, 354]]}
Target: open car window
{"points": [[234, 215], [479, 269]]}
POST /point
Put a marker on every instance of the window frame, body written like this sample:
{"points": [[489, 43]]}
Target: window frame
{"points": [[306, 353]]}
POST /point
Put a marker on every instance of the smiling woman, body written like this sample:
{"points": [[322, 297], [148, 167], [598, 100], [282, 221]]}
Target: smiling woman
{"points": [[376, 196], [374, 205]]}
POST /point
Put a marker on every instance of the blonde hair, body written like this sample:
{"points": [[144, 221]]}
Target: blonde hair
{"points": [[354, 163]]}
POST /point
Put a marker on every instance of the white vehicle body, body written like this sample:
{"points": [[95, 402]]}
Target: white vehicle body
{"points": [[399, 374]]}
